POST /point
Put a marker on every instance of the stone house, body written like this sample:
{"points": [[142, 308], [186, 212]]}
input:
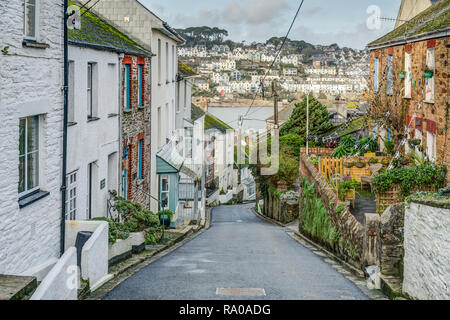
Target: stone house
{"points": [[399, 60], [109, 107], [31, 109]]}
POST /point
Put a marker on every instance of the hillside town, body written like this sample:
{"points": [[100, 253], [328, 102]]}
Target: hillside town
{"points": [[122, 182], [244, 70]]}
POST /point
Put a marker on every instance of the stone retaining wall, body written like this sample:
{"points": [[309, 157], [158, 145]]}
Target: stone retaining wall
{"points": [[283, 208], [351, 232]]}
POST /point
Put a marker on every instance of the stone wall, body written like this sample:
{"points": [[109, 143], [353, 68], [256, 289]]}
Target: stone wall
{"points": [[427, 250], [136, 125], [351, 233], [281, 207]]}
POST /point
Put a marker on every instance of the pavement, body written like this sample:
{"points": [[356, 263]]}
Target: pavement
{"points": [[239, 257], [363, 205]]}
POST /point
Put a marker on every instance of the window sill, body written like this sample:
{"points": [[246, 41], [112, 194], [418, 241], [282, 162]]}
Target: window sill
{"points": [[71, 123], [112, 115], [32, 198], [91, 119], [34, 44], [428, 101], [407, 97], [141, 107]]}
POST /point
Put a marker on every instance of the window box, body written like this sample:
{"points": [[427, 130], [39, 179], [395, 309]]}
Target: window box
{"points": [[34, 44]]}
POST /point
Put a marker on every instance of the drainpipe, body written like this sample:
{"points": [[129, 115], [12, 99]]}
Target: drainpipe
{"points": [[120, 153], [64, 159]]}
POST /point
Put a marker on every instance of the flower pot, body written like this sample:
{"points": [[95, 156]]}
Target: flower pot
{"points": [[348, 164], [164, 220], [402, 75], [360, 165], [428, 74]]}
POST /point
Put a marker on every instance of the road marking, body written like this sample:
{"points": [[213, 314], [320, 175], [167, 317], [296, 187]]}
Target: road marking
{"points": [[243, 292], [239, 221]]}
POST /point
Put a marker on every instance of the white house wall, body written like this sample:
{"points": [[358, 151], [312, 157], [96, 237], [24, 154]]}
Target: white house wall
{"points": [[30, 84], [94, 141]]}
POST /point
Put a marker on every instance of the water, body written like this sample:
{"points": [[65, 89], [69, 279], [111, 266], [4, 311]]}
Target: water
{"points": [[230, 115]]}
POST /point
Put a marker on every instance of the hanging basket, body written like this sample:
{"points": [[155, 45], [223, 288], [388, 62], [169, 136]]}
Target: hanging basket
{"points": [[429, 74], [402, 75]]}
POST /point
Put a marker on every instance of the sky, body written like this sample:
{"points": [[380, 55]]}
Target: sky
{"points": [[320, 21]]}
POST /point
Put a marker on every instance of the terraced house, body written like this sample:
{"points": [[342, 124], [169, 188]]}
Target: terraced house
{"points": [[109, 118], [410, 73]]}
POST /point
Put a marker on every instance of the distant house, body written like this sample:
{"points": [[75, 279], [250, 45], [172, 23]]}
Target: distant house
{"points": [[410, 66]]}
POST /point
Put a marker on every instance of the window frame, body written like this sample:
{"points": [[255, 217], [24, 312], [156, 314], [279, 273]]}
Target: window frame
{"points": [[375, 74], [159, 61], [26, 154], [89, 90], [126, 86], [390, 77], [71, 212], [36, 19], [140, 159], [408, 75], [429, 82], [140, 85], [167, 192], [431, 144]]}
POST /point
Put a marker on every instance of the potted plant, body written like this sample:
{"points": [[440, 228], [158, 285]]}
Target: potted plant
{"points": [[428, 73], [315, 162], [360, 164], [349, 164], [413, 143], [373, 160], [401, 74], [222, 192], [165, 217], [385, 161]]}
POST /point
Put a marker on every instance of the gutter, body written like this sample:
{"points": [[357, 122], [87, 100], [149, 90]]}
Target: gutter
{"points": [[64, 158], [416, 38]]}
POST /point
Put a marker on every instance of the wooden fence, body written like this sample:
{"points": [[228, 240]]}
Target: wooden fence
{"points": [[355, 167], [317, 151]]}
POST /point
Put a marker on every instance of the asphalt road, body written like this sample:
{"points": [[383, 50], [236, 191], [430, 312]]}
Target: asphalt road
{"points": [[239, 251]]}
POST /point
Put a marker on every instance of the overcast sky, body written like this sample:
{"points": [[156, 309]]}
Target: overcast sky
{"points": [[320, 21]]}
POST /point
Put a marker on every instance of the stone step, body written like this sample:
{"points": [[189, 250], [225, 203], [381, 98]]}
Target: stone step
{"points": [[16, 287]]}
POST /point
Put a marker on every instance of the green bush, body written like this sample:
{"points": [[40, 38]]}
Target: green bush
{"points": [[410, 178], [314, 216], [113, 232]]}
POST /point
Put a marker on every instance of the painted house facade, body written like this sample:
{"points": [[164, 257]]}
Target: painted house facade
{"points": [[109, 118], [401, 59], [147, 29], [31, 109]]}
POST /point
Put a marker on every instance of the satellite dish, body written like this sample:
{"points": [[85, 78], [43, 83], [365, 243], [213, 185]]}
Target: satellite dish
{"points": [[73, 18]]}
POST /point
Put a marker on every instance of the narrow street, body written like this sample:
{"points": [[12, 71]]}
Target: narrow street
{"points": [[239, 251]]}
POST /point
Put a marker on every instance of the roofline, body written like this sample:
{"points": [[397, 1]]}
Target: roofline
{"points": [[109, 48], [445, 32], [167, 33]]}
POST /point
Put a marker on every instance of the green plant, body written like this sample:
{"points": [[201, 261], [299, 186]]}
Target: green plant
{"points": [[360, 164], [344, 186], [410, 178], [113, 232], [349, 164], [167, 212], [222, 191], [390, 147], [373, 160]]}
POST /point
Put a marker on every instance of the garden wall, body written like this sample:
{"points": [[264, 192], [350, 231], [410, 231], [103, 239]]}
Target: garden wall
{"points": [[427, 249], [282, 207], [344, 234]]}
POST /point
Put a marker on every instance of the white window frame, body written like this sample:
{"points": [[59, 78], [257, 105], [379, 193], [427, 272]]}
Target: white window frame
{"points": [[189, 134], [431, 146], [408, 75], [89, 89], [71, 104], [159, 61], [36, 19], [429, 82], [167, 62], [165, 177], [71, 196], [27, 153]]}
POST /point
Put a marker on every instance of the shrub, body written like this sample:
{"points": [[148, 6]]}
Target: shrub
{"points": [[222, 192], [113, 232]]}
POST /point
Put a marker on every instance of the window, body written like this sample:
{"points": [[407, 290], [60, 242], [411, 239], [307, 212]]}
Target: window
{"points": [[390, 75], [159, 61], [431, 146], [71, 196], [159, 137], [167, 62], [429, 82], [173, 63], [71, 105], [28, 154], [141, 85], [164, 192], [140, 159], [91, 91], [408, 75], [178, 96], [188, 132], [185, 94], [126, 89], [375, 75], [29, 18]]}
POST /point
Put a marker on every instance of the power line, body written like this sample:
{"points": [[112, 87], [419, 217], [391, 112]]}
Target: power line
{"points": [[278, 53]]}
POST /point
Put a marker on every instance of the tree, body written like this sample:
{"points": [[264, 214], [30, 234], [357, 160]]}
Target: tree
{"points": [[319, 119]]}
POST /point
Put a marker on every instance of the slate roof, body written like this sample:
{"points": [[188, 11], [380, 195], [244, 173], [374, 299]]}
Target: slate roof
{"points": [[432, 20], [212, 122], [98, 33], [196, 112]]}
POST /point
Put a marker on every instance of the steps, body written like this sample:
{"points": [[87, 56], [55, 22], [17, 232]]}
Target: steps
{"points": [[17, 287]]}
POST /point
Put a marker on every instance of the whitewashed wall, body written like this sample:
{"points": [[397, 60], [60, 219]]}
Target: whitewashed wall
{"points": [[94, 141], [30, 84], [427, 252]]}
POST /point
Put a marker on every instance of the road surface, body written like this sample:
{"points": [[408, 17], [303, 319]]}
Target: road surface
{"points": [[239, 255]]}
